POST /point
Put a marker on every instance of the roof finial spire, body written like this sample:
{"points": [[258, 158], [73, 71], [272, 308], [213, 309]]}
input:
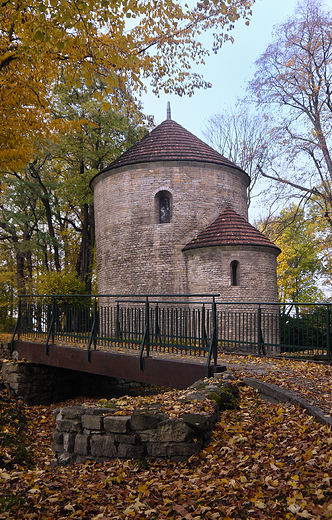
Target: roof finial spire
{"points": [[168, 110]]}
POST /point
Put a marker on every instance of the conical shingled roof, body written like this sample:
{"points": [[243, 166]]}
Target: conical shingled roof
{"points": [[169, 141], [230, 229]]}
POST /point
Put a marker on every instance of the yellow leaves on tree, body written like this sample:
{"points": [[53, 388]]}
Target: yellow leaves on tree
{"points": [[301, 263], [24, 113], [123, 41]]}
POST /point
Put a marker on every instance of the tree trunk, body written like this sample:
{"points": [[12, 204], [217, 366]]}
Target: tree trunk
{"points": [[47, 207], [84, 263], [20, 272]]}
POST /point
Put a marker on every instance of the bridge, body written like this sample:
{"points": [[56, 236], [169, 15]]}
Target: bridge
{"points": [[144, 340], [173, 371], [167, 340]]}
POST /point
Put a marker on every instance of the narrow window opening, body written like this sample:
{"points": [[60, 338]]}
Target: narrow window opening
{"points": [[164, 210], [163, 207], [234, 272]]}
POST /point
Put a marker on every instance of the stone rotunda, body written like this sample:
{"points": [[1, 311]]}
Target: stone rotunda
{"points": [[171, 217]]}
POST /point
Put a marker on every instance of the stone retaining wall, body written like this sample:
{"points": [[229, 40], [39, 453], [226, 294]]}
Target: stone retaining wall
{"points": [[41, 384], [5, 352], [98, 434]]}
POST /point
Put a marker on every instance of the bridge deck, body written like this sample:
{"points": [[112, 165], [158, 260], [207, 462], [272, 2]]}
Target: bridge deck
{"points": [[163, 369]]}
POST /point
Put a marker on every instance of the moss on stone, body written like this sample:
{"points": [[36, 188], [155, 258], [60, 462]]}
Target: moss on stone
{"points": [[224, 398]]}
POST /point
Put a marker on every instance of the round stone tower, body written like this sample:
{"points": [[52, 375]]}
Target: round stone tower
{"points": [[171, 217]]}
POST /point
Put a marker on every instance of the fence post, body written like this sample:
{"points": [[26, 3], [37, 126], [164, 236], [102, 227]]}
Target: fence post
{"points": [[157, 328], [213, 350], [203, 333], [259, 325], [17, 325], [118, 321], [146, 336], [95, 317], [19, 318], [328, 334], [51, 329], [261, 346], [93, 333], [215, 329], [53, 318], [147, 326], [259, 319]]}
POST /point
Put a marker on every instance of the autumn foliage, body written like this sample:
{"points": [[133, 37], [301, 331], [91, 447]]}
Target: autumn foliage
{"points": [[292, 85], [123, 42], [265, 461]]}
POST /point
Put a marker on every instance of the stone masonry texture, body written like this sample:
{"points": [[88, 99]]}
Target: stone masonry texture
{"points": [[84, 434], [137, 254], [40, 384]]}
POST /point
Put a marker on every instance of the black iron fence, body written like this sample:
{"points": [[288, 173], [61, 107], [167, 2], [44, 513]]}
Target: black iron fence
{"points": [[301, 329], [186, 324]]}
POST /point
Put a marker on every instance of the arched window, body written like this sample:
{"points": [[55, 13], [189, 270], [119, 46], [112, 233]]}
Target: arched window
{"points": [[164, 210], [163, 207], [234, 273]]}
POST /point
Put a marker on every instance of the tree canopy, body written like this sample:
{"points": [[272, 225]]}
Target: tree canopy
{"points": [[305, 250], [46, 207], [70, 76], [124, 42], [292, 84]]}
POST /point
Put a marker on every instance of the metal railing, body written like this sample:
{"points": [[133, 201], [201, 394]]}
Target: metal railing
{"points": [[164, 323], [299, 329], [186, 324]]}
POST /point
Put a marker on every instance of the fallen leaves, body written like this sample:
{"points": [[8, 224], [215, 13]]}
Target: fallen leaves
{"points": [[309, 380], [264, 461], [174, 403], [13, 425]]}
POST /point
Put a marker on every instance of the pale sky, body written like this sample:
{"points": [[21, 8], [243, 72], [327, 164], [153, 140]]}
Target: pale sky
{"points": [[229, 71]]}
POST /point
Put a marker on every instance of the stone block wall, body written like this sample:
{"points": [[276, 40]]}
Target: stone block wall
{"points": [[41, 384], [257, 273], [5, 352], [98, 434], [135, 253]]}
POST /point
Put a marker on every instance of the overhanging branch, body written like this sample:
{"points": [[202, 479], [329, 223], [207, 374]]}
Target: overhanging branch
{"points": [[6, 61], [313, 191]]}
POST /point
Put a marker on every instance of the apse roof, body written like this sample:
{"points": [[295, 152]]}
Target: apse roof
{"points": [[169, 141], [229, 229]]}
